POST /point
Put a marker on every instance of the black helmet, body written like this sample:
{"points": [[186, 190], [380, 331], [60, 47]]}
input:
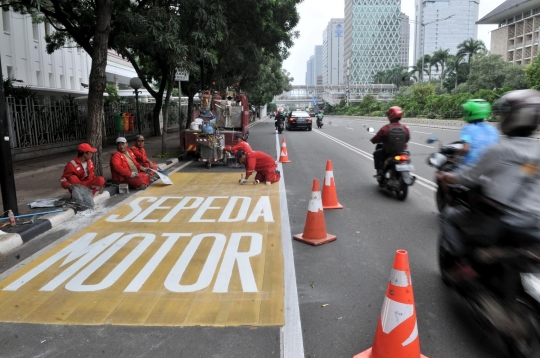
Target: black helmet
{"points": [[519, 112], [239, 154]]}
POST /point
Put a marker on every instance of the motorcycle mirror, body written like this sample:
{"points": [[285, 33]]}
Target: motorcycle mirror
{"points": [[371, 130], [432, 140]]}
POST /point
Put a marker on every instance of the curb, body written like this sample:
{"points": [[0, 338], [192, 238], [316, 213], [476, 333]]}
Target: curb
{"points": [[9, 242]]}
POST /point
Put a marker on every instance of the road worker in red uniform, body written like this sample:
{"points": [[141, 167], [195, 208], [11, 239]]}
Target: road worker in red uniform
{"points": [[126, 169], [241, 144], [81, 171], [140, 153], [262, 163]]}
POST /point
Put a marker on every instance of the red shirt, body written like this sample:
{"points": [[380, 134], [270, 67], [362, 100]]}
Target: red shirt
{"points": [[260, 162], [382, 134], [140, 155], [119, 165], [74, 167], [242, 145]]}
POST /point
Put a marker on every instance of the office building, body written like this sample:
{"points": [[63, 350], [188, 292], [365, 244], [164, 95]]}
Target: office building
{"points": [[318, 65], [333, 69], [516, 38], [441, 33], [309, 71], [405, 39], [372, 38]]}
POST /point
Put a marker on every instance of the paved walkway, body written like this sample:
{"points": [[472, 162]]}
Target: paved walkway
{"points": [[39, 178]]}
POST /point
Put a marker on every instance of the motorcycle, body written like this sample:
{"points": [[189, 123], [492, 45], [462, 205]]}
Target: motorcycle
{"points": [[504, 291], [281, 126], [396, 176], [319, 123], [445, 160]]}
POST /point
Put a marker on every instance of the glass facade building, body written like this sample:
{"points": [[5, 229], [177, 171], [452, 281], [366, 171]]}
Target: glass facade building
{"points": [[333, 69], [444, 34], [372, 38]]}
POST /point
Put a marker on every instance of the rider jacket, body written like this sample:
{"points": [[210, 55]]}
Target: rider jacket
{"points": [[382, 134], [509, 173]]}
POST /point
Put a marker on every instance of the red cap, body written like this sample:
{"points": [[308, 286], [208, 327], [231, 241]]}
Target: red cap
{"points": [[85, 147]]}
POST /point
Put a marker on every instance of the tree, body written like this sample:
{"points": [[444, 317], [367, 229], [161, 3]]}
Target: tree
{"points": [[470, 48], [491, 72], [441, 57], [456, 72], [532, 74]]}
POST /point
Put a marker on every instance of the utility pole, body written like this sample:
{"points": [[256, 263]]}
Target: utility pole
{"points": [[7, 177], [424, 40]]}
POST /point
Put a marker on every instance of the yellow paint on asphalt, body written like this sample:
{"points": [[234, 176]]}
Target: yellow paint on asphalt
{"points": [[203, 251]]}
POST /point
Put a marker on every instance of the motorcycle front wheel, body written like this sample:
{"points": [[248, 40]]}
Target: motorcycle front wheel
{"points": [[440, 198]]}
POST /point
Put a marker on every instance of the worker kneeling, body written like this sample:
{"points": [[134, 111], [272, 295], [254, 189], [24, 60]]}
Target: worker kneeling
{"points": [[126, 169], [262, 163], [81, 171]]}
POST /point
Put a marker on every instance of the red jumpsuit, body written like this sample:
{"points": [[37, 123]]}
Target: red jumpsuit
{"points": [[121, 171], [242, 145], [74, 174], [141, 158], [265, 166]]}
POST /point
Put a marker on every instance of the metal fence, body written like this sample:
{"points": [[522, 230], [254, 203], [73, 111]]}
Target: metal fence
{"points": [[34, 125]]}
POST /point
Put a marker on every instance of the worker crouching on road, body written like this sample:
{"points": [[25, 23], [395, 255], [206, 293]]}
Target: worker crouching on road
{"points": [[141, 158], [81, 171], [262, 163], [126, 169], [241, 144]]}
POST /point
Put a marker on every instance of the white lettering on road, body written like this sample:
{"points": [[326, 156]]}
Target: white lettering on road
{"points": [[242, 212], [182, 205], [197, 217], [156, 206], [264, 209], [172, 282], [136, 209]]}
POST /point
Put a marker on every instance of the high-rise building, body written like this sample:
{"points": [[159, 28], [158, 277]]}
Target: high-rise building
{"points": [[372, 38], [405, 39], [333, 69], [318, 65], [309, 71], [516, 38], [440, 33]]}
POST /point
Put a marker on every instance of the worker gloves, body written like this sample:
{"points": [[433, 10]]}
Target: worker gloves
{"points": [[133, 175], [242, 181]]}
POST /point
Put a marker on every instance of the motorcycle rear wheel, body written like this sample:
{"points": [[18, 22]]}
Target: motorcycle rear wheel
{"points": [[404, 190]]}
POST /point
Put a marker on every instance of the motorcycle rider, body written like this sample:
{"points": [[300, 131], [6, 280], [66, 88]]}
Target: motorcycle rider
{"points": [[477, 135], [384, 137], [508, 175], [320, 117], [279, 117]]}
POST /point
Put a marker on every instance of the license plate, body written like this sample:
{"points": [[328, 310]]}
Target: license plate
{"points": [[300, 120], [404, 167]]}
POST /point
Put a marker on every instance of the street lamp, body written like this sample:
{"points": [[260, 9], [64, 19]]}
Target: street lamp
{"points": [[424, 40], [136, 83]]}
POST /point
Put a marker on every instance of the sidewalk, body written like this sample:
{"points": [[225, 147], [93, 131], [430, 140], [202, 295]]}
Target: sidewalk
{"points": [[39, 179]]}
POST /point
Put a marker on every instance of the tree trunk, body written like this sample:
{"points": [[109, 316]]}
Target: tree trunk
{"points": [[442, 74], [170, 86], [98, 80], [159, 100]]}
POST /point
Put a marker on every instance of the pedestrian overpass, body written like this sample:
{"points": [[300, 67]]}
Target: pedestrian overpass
{"points": [[310, 95]]}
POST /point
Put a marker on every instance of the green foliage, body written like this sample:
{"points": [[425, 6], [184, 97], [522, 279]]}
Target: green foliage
{"points": [[20, 93], [532, 74], [271, 107], [112, 95]]}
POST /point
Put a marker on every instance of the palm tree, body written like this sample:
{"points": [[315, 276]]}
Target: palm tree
{"points": [[470, 48], [431, 62], [441, 57], [379, 77], [457, 67], [417, 68]]}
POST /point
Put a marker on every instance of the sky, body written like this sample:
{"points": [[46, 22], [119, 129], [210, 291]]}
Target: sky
{"points": [[314, 17]]}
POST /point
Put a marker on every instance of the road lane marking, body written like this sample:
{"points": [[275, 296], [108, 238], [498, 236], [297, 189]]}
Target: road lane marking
{"points": [[423, 145], [163, 261], [292, 342], [420, 180], [421, 132]]}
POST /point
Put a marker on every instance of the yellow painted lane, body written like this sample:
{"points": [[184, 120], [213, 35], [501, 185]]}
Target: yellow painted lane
{"points": [[203, 251]]}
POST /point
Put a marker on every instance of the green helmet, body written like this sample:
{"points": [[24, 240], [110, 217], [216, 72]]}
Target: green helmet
{"points": [[476, 110]]}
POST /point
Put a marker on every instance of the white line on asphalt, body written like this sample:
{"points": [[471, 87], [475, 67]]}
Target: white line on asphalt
{"points": [[182, 166], [422, 132], [422, 181], [423, 145], [292, 343]]}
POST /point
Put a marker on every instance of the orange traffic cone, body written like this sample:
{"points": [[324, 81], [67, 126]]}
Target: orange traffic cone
{"points": [[315, 227], [284, 158], [397, 330], [329, 195]]}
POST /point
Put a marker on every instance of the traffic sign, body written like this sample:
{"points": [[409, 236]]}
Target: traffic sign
{"points": [[181, 75]]}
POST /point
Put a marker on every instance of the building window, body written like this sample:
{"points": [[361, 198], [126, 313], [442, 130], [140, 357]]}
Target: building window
{"points": [[72, 84], [10, 72], [6, 19], [35, 32], [38, 78], [61, 81], [51, 80]]}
